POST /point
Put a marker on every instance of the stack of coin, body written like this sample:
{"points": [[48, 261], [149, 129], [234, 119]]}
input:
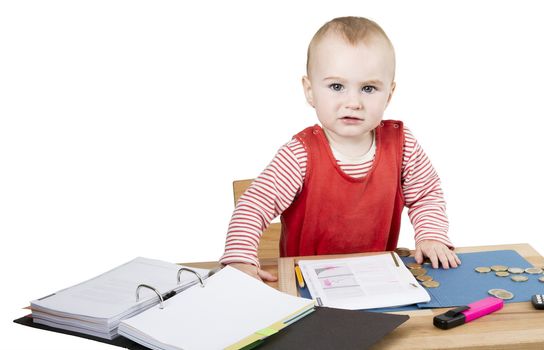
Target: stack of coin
{"points": [[418, 272], [421, 275], [413, 265], [402, 251]]}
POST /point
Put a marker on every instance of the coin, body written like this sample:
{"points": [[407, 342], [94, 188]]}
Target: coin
{"points": [[519, 278], [402, 251], [498, 268], [413, 266], [424, 278], [502, 273], [515, 270], [482, 269], [494, 291], [431, 284], [504, 294], [418, 272], [533, 270], [427, 261], [541, 279]]}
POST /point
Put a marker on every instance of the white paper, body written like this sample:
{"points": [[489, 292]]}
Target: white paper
{"points": [[231, 307], [98, 304], [366, 282]]}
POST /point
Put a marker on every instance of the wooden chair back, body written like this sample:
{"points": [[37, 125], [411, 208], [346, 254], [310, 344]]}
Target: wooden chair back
{"points": [[269, 246]]}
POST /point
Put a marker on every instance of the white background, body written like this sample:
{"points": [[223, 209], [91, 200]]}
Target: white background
{"points": [[123, 124]]}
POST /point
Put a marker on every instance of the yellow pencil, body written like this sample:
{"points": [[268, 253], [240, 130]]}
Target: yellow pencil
{"points": [[298, 273]]}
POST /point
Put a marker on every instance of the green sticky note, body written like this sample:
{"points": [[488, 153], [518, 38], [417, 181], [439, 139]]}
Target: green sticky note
{"points": [[267, 331]]}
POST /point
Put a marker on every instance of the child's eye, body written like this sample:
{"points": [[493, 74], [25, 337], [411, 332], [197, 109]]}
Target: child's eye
{"points": [[336, 87], [368, 89]]}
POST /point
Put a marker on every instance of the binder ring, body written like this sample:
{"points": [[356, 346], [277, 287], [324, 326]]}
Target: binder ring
{"points": [[192, 271], [161, 300]]}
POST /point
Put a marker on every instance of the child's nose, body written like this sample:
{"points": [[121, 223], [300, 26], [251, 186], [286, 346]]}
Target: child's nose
{"points": [[354, 100]]}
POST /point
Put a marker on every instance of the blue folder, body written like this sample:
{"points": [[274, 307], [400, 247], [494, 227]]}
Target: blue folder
{"points": [[463, 285]]}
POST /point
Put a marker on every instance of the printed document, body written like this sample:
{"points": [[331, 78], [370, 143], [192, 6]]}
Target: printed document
{"points": [[365, 282]]}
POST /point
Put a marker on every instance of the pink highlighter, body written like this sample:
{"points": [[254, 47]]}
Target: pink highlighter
{"points": [[464, 314]]}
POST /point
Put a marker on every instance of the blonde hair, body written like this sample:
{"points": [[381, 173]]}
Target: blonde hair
{"points": [[352, 29]]}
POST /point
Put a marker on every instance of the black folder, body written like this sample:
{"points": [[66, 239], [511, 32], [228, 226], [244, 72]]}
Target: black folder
{"points": [[333, 329], [119, 341], [325, 328]]}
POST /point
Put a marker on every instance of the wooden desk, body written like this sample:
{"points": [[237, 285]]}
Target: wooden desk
{"points": [[516, 326]]}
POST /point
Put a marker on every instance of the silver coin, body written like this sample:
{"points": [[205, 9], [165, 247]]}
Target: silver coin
{"points": [[533, 270], [498, 268], [519, 278], [541, 279], [502, 273], [504, 294], [516, 270], [494, 291]]}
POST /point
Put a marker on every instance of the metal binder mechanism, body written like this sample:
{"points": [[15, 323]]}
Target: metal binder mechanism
{"points": [[192, 271], [161, 300]]}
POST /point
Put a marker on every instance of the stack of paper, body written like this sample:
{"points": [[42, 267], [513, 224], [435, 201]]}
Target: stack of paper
{"points": [[96, 307], [232, 311], [365, 282]]}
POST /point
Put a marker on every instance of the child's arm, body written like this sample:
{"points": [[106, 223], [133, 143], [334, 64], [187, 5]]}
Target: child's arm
{"points": [[267, 197], [426, 206]]}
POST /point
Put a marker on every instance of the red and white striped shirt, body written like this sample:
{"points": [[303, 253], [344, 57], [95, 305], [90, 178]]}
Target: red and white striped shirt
{"points": [[276, 187]]}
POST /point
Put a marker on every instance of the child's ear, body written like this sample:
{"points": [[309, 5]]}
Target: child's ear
{"points": [[307, 86], [393, 86]]}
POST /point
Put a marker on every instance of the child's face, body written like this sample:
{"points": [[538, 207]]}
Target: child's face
{"points": [[349, 86]]}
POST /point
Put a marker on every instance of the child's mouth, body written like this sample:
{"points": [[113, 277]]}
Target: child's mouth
{"points": [[351, 118]]}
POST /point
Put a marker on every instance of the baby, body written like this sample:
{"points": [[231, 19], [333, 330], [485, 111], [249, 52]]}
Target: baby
{"points": [[340, 187]]}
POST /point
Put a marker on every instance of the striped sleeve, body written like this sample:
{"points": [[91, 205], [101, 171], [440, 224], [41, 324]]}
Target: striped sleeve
{"points": [[423, 194], [268, 196], [275, 188]]}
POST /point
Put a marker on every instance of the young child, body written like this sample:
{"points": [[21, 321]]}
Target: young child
{"points": [[341, 187]]}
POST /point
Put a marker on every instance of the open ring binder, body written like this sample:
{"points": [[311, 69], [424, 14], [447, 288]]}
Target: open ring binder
{"points": [[153, 289], [192, 271]]}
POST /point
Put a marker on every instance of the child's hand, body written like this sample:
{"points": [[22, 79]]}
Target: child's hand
{"points": [[254, 272], [436, 252]]}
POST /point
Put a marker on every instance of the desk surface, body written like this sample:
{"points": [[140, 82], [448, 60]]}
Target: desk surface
{"points": [[516, 326]]}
